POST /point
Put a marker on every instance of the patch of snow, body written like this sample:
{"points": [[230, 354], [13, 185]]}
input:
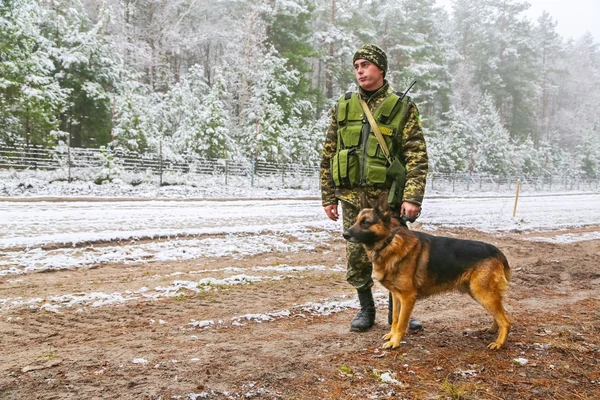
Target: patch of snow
{"points": [[521, 361], [202, 324], [567, 238], [390, 377]]}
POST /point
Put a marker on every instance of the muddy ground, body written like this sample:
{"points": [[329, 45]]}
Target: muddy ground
{"points": [[147, 349]]}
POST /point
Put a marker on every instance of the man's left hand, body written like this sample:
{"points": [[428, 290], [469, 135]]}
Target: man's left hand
{"points": [[410, 210]]}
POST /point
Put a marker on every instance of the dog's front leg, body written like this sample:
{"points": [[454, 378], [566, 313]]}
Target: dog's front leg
{"points": [[401, 319], [396, 306]]}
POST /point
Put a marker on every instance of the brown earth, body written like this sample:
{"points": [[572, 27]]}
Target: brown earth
{"points": [[88, 352]]}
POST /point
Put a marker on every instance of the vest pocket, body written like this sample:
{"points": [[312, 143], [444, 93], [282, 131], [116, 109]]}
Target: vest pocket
{"points": [[373, 147], [345, 169], [376, 173], [376, 162], [350, 135]]}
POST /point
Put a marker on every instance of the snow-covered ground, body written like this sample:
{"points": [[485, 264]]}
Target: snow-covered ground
{"points": [[31, 224], [39, 235], [204, 228], [78, 226]]}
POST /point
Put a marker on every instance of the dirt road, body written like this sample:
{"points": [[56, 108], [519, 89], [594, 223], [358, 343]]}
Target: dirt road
{"points": [[275, 326]]}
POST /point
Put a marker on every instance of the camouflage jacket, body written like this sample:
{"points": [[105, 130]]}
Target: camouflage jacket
{"points": [[413, 148]]}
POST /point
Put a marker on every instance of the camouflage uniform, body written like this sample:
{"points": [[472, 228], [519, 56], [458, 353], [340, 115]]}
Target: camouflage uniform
{"points": [[413, 152]]}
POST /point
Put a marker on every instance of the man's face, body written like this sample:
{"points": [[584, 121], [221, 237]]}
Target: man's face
{"points": [[368, 75]]}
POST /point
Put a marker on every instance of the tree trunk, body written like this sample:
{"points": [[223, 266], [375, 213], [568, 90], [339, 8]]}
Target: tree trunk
{"points": [[328, 74]]}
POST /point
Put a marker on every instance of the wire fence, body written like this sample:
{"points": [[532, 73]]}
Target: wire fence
{"points": [[134, 168], [80, 164], [481, 183]]}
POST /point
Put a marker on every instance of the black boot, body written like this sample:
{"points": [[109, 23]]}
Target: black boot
{"points": [[413, 324], [365, 318]]}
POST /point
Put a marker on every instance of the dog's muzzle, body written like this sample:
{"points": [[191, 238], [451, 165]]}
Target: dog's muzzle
{"points": [[349, 237]]}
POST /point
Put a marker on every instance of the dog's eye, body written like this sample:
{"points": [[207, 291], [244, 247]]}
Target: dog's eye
{"points": [[365, 222]]}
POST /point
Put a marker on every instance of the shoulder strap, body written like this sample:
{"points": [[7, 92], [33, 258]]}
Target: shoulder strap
{"points": [[386, 111], [376, 131], [387, 116]]}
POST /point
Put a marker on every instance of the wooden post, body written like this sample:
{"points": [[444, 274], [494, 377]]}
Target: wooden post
{"points": [[453, 182], [160, 165], [69, 157], [517, 197], [255, 158]]}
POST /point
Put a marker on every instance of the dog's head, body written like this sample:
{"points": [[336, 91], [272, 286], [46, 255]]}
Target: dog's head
{"points": [[373, 222]]}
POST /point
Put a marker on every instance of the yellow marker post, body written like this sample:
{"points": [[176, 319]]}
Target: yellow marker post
{"points": [[517, 197]]}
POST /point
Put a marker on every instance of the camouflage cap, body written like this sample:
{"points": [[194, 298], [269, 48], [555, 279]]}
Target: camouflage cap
{"points": [[374, 54]]}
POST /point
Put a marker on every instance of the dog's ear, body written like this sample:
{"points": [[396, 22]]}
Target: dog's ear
{"points": [[364, 201], [382, 205]]}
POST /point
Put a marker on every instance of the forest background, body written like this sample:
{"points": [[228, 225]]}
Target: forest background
{"points": [[498, 92]]}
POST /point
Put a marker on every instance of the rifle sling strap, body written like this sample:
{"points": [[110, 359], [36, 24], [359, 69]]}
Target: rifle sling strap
{"points": [[376, 131]]}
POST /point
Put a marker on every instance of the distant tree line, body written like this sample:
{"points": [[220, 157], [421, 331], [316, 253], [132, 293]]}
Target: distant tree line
{"points": [[498, 93]]}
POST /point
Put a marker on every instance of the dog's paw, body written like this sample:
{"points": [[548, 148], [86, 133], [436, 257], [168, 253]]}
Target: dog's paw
{"points": [[494, 346], [392, 344], [388, 336]]}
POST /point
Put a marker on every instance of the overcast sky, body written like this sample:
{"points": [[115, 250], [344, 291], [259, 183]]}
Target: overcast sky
{"points": [[574, 17]]}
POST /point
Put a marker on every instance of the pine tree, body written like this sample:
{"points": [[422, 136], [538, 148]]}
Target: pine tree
{"points": [[417, 51], [30, 95], [86, 68], [288, 30], [449, 146], [133, 122], [549, 52], [492, 144], [199, 118]]}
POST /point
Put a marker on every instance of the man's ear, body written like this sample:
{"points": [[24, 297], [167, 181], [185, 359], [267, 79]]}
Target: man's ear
{"points": [[382, 203], [364, 201]]}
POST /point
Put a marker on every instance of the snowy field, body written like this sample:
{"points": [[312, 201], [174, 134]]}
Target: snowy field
{"points": [[204, 268], [34, 223], [42, 235]]}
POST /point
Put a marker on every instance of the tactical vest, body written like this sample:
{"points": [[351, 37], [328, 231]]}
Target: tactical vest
{"points": [[359, 159]]}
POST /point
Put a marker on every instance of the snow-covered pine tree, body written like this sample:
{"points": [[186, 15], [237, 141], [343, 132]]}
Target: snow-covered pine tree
{"points": [[31, 97], [493, 153], [449, 146]]}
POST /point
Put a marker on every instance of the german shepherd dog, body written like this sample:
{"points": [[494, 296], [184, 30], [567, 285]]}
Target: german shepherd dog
{"points": [[414, 265]]}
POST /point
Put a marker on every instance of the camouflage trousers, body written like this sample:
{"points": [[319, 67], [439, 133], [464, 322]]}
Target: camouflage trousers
{"points": [[359, 268]]}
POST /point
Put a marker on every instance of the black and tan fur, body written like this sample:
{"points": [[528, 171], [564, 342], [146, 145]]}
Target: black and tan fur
{"points": [[413, 265]]}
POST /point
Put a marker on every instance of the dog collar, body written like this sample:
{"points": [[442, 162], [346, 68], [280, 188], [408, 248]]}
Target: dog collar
{"points": [[388, 241]]}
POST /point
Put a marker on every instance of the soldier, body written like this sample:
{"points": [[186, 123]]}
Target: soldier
{"points": [[354, 162]]}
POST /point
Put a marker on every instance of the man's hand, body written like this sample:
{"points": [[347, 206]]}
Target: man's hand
{"points": [[410, 210], [332, 212]]}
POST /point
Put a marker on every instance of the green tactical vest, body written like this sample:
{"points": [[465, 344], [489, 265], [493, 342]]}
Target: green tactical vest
{"points": [[359, 159]]}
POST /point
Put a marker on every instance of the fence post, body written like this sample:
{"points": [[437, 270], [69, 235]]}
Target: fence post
{"points": [[453, 176], [160, 164], [69, 160], [226, 171], [517, 197], [253, 167], [468, 176], [283, 174]]}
